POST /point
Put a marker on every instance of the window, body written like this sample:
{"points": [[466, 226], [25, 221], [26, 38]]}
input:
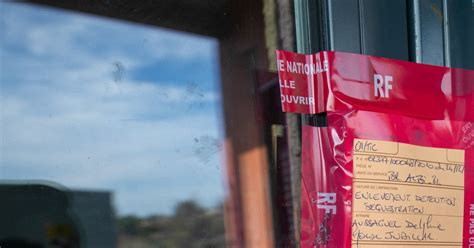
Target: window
{"points": [[111, 133]]}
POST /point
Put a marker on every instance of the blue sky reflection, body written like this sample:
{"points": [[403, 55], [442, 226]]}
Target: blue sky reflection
{"points": [[99, 104]]}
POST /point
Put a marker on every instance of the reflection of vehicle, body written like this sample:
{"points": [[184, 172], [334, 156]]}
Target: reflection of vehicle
{"points": [[42, 214]]}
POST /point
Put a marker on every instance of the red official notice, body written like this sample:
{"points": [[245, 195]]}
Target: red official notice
{"points": [[394, 166], [329, 81], [297, 75]]}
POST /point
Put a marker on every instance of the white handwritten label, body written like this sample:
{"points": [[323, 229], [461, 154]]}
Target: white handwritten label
{"points": [[406, 195]]}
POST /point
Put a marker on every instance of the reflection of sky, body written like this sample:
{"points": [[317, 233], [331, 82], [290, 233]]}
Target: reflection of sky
{"points": [[93, 103]]}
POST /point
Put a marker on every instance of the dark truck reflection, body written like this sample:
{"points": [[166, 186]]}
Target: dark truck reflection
{"points": [[44, 214]]}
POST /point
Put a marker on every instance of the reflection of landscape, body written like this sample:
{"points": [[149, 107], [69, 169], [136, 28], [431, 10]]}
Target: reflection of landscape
{"points": [[104, 136], [190, 225], [45, 214], [90, 108]]}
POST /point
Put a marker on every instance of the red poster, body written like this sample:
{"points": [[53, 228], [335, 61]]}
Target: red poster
{"points": [[394, 167]]}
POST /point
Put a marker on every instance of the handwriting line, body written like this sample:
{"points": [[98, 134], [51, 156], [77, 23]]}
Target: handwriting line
{"points": [[445, 186], [404, 245], [440, 215], [367, 180], [376, 154]]}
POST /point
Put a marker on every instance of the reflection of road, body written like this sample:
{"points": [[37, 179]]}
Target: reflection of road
{"points": [[191, 226], [43, 214]]}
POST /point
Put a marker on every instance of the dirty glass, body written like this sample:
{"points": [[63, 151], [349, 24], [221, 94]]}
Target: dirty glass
{"points": [[110, 133]]}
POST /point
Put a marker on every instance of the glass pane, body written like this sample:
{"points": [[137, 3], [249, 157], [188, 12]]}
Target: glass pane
{"points": [[110, 133]]}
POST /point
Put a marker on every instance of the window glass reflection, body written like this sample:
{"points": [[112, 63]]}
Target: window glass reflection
{"points": [[110, 133]]}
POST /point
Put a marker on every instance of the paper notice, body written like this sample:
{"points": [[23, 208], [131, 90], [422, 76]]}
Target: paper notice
{"points": [[406, 195]]}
